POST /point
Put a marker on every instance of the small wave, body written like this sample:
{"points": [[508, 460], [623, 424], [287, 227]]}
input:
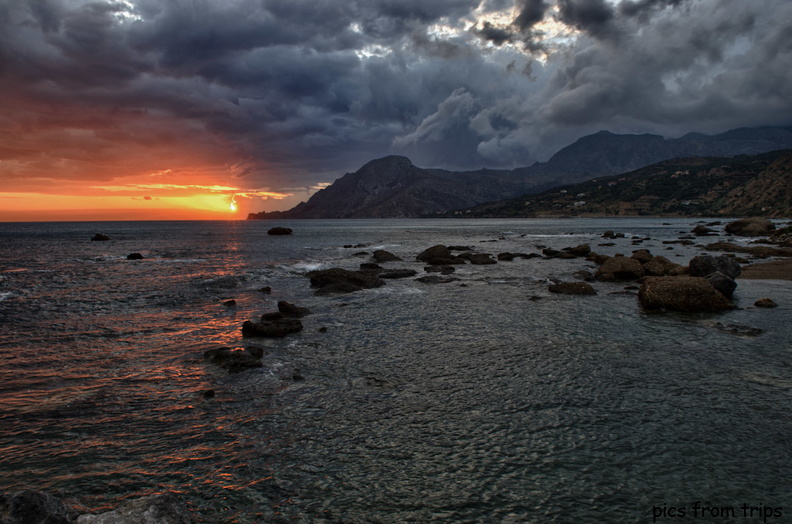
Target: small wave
{"points": [[397, 291], [5, 295], [304, 265]]}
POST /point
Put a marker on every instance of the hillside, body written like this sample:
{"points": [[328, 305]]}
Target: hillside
{"points": [[394, 187], [745, 185]]}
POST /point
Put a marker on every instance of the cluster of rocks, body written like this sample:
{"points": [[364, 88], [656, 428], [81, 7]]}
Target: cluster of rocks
{"points": [[275, 324], [35, 507]]}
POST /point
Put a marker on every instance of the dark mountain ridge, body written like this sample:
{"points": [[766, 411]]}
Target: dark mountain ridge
{"points": [[393, 187], [743, 185]]}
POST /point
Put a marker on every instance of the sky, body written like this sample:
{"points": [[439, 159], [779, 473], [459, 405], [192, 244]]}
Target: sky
{"points": [[201, 109]]}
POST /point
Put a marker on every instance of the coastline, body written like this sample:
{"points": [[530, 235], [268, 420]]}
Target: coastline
{"points": [[775, 270]]}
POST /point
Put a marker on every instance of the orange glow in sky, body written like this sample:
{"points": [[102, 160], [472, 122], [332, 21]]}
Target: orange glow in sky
{"points": [[172, 203]]}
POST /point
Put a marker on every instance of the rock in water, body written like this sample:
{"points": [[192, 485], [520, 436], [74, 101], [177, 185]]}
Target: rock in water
{"points": [[722, 283], [287, 309], [620, 268], [99, 237], [687, 294], [572, 288], [660, 266], [398, 273], [439, 255], [154, 509], [271, 328], [337, 280], [235, 360], [703, 231], [750, 227], [280, 231], [765, 302], [705, 265], [134, 256], [32, 507], [381, 256]]}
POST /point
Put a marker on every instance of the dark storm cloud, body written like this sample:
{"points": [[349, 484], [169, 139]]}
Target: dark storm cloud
{"points": [[591, 16], [642, 8], [531, 13], [294, 92]]}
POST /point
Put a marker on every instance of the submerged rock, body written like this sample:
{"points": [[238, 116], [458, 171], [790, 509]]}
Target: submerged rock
{"points": [[32, 507], [572, 288], [478, 259], [99, 237], [337, 280], [154, 509], [398, 273], [436, 279], [235, 360], [685, 293]]}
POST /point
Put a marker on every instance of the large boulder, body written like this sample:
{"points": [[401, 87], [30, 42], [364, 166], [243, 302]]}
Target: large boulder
{"points": [[726, 285], [642, 255], [276, 328], [750, 227], [702, 231], [235, 360], [687, 294], [704, 265], [32, 507], [381, 256], [337, 280], [439, 255], [572, 288], [660, 266], [620, 268], [154, 509]]}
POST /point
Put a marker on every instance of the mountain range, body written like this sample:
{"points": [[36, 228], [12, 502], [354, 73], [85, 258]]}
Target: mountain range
{"points": [[743, 185], [393, 187]]}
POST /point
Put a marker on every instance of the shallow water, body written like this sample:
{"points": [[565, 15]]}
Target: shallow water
{"points": [[483, 400]]}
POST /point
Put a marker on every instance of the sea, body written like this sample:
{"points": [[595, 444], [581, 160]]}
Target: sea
{"points": [[486, 399]]}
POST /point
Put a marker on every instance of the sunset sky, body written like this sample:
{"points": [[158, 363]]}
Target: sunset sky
{"points": [[184, 109]]}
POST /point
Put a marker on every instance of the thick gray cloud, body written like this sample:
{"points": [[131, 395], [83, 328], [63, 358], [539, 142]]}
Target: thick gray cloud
{"points": [[290, 93]]}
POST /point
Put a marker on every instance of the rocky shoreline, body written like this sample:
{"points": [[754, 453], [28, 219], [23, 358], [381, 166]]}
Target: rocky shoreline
{"points": [[35, 507], [705, 284]]}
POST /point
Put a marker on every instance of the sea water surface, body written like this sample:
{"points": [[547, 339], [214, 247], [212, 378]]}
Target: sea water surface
{"points": [[487, 399]]}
